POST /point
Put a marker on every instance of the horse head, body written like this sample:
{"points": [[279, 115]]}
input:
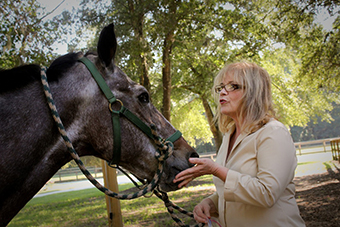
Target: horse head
{"points": [[137, 149]]}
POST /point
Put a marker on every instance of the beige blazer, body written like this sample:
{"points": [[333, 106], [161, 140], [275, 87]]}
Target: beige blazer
{"points": [[259, 189]]}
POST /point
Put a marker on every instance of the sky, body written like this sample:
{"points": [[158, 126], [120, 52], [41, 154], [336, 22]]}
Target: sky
{"points": [[323, 17], [60, 48], [66, 5]]}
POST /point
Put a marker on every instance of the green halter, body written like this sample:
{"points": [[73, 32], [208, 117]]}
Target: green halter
{"points": [[122, 112]]}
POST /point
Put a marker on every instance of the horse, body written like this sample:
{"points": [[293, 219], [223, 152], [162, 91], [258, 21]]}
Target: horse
{"points": [[31, 148]]}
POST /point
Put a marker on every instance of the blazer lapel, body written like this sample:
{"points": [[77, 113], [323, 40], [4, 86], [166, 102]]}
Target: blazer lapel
{"points": [[237, 142]]}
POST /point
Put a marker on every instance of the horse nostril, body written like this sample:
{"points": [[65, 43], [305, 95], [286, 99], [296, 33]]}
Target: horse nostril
{"points": [[194, 155]]}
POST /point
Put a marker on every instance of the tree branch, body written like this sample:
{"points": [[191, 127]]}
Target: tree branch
{"points": [[49, 13]]}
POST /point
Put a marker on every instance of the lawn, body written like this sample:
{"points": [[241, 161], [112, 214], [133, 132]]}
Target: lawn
{"points": [[88, 208], [316, 193]]}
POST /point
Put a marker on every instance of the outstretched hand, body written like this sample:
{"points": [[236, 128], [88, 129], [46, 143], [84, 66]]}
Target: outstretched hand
{"points": [[203, 166]]}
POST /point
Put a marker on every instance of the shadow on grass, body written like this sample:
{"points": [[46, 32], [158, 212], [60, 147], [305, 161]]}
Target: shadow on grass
{"points": [[318, 198]]}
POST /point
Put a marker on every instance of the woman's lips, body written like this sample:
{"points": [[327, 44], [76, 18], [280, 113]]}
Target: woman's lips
{"points": [[222, 101]]}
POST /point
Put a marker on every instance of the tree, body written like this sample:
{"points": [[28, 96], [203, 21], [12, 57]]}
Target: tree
{"points": [[130, 22], [131, 25], [214, 35], [305, 90], [322, 54], [189, 41], [256, 32], [318, 128], [321, 57], [24, 35]]}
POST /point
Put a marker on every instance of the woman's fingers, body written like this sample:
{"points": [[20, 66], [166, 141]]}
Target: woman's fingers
{"points": [[202, 212], [188, 173], [202, 167], [184, 183], [184, 179], [200, 219]]}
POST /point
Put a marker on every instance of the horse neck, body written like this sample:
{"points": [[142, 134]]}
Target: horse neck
{"points": [[31, 149]]}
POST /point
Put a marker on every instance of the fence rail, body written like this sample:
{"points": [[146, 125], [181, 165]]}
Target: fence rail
{"points": [[335, 149], [308, 147], [75, 174], [302, 148]]}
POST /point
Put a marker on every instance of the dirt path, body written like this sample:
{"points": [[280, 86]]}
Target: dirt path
{"points": [[318, 198]]}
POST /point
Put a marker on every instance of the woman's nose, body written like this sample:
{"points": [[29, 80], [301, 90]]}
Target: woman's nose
{"points": [[224, 92]]}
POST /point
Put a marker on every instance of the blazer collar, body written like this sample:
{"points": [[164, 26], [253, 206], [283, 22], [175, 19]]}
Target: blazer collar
{"points": [[238, 139]]}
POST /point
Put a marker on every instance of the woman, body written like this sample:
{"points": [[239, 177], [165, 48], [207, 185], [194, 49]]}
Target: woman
{"points": [[254, 169]]}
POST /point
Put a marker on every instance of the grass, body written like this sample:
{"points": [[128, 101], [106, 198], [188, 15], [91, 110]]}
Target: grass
{"points": [[88, 208], [305, 163]]}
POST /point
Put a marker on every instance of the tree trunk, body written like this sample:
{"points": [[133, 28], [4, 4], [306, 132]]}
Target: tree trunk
{"points": [[213, 128], [138, 26], [166, 110], [144, 79], [167, 48]]}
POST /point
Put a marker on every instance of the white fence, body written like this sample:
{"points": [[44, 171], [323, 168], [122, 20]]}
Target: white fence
{"points": [[302, 148], [75, 174], [314, 146]]}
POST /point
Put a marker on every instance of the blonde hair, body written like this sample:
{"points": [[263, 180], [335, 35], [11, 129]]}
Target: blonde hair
{"points": [[256, 107]]}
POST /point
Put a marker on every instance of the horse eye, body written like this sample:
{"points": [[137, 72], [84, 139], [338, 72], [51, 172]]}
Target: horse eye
{"points": [[144, 97]]}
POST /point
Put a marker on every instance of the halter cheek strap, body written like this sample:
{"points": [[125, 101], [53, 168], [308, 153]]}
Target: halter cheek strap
{"points": [[115, 115]]}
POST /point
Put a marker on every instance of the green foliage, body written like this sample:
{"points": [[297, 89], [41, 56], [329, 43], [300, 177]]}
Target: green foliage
{"points": [[25, 37], [187, 111], [87, 160], [320, 60], [213, 33], [296, 102], [318, 129], [282, 36]]}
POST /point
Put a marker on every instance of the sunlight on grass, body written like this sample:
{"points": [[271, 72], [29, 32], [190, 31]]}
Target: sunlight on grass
{"points": [[305, 163], [327, 165], [312, 168], [88, 208]]}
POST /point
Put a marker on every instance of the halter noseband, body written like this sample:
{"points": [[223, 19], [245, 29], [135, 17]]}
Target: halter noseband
{"points": [[122, 112]]}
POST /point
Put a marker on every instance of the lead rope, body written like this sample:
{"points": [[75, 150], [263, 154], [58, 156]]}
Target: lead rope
{"points": [[170, 206], [163, 152]]}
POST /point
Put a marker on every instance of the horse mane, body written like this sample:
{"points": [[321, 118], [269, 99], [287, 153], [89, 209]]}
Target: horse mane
{"points": [[61, 65], [21, 76], [18, 77]]}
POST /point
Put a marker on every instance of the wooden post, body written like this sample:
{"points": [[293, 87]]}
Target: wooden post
{"points": [[112, 204], [338, 148], [333, 148], [300, 149]]}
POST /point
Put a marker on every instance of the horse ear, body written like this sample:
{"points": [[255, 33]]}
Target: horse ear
{"points": [[107, 45]]}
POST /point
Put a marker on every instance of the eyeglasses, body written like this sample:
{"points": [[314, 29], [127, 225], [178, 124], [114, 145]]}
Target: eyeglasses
{"points": [[227, 87]]}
